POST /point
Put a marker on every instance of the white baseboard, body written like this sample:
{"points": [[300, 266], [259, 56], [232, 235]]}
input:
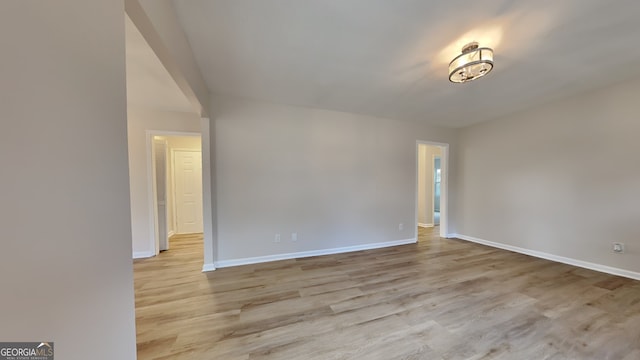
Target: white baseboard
{"points": [[208, 267], [143, 254], [302, 254], [425, 225], [561, 259]]}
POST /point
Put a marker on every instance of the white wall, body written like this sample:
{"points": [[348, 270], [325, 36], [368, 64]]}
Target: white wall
{"points": [[65, 264], [563, 179], [185, 142], [334, 178], [139, 121], [425, 182], [158, 23]]}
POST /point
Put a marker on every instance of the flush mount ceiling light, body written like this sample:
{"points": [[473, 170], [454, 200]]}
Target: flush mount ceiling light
{"points": [[473, 63]]}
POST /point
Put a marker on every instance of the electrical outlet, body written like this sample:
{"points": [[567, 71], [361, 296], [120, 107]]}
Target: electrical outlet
{"points": [[618, 248], [276, 238], [294, 236], [400, 227]]}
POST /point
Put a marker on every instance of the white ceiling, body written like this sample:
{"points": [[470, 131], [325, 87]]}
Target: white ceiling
{"points": [[149, 84], [389, 58]]}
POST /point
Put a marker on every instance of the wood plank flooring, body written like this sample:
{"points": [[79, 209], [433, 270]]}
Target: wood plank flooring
{"points": [[438, 299]]}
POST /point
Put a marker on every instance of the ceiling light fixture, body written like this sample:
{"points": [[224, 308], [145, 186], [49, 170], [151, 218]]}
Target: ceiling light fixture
{"points": [[473, 63]]}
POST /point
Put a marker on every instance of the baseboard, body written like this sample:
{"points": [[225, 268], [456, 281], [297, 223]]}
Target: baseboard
{"points": [[143, 254], [425, 225], [303, 254], [170, 234], [208, 267], [561, 259]]}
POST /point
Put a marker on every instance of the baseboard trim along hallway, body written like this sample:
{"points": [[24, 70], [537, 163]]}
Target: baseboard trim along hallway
{"points": [[208, 267], [561, 259], [143, 254]]}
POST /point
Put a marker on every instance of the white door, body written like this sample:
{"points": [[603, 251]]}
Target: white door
{"points": [[188, 191]]}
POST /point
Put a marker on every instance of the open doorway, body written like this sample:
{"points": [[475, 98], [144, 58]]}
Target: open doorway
{"points": [[157, 104], [431, 186], [437, 182], [176, 183]]}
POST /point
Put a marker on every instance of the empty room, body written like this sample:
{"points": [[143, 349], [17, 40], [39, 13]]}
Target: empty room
{"points": [[360, 179]]}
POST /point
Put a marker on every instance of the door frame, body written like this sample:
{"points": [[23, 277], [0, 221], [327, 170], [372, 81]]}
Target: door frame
{"points": [[444, 185], [209, 220], [152, 203], [154, 192]]}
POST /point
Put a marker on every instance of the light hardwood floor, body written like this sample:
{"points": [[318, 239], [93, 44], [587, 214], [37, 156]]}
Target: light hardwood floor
{"points": [[438, 299]]}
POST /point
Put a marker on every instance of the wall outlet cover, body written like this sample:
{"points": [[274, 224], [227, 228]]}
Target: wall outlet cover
{"points": [[618, 248]]}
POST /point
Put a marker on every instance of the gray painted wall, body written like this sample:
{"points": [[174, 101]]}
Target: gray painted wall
{"points": [[335, 179], [65, 265], [562, 179]]}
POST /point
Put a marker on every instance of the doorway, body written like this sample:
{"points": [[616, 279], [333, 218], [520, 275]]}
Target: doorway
{"points": [[431, 186], [172, 111], [437, 180], [177, 208]]}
